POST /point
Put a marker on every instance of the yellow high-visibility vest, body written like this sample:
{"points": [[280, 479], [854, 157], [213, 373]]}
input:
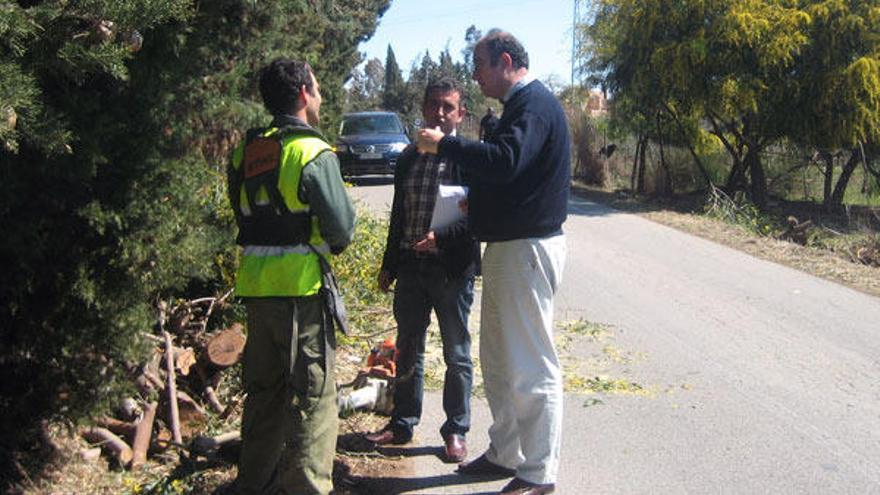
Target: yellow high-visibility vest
{"points": [[282, 270]]}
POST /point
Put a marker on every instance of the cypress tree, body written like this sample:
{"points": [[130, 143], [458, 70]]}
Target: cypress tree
{"points": [[394, 97], [116, 121]]}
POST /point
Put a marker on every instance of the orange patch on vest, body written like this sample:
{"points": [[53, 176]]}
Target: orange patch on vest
{"points": [[260, 156]]}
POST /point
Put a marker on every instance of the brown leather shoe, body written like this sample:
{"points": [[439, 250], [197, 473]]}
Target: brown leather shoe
{"points": [[519, 486], [456, 448], [484, 467], [387, 436]]}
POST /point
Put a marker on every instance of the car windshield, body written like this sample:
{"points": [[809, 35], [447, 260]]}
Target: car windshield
{"points": [[371, 124]]}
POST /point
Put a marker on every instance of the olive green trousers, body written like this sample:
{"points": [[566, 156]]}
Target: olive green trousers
{"points": [[290, 419]]}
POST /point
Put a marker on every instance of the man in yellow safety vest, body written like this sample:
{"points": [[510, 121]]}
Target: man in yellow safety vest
{"points": [[291, 207]]}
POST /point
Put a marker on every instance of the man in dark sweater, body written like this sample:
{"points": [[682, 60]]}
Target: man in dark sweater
{"points": [[519, 184], [434, 268]]}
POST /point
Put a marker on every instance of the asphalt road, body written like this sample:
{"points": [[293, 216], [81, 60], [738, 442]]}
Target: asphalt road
{"points": [[756, 378]]}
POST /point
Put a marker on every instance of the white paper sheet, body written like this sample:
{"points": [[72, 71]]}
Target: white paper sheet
{"points": [[446, 209]]}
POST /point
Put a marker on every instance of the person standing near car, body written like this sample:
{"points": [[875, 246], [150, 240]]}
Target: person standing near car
{"points": [[289, 201], [519, 184], [433, 269]]}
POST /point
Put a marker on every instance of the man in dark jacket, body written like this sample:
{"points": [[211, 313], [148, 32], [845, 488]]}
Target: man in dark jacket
{"points": [[434, 268], [488, 123], [519, 184]]}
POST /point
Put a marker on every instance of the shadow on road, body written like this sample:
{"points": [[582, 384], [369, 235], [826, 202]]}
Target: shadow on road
{"points": [[411, 452], [396, 486]]}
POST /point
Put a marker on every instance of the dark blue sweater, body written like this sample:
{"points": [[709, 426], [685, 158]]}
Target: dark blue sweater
{"points": [[519, 178]]}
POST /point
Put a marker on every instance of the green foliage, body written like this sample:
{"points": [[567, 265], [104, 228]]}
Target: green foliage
{"points": [[117, 118], [752, 71], [394, 94], [378, 87], [366, 88], [357, 269]]}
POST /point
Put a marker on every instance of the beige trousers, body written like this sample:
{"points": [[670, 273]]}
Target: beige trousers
{"points": [[521, 370]]}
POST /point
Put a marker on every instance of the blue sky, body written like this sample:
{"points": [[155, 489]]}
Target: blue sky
{"points": [[413, 26]]}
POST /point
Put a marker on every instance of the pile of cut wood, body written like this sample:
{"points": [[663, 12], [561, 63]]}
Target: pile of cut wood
{"points": [[177, 389]]}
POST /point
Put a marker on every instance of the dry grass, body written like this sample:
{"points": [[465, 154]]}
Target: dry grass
{"points": [[69, 473], [834, 265]]}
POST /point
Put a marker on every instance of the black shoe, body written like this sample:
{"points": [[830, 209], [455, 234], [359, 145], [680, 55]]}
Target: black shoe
{"points": [[484, 467], [519, 486]]}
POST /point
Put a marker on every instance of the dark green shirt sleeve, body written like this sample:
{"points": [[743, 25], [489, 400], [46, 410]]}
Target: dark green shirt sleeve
{"points": [[322, 188]]}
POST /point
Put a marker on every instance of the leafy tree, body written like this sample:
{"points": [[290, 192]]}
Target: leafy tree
{"points": [[366, 87], [394, 98], [446, 67], [727, 62], [118, 118], [837, 103], [419, 76], [475, 101]]}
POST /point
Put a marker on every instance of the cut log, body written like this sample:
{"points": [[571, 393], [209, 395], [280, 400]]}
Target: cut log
{"points": [[225, 348], [142, 436], [184, 359], [208, 446], [161, 439], [115, 445], [173, 413], [130, 410], [124, 429], [90, 454]]}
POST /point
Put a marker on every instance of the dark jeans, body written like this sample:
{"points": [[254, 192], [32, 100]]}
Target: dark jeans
{"points": [[422, 285]]}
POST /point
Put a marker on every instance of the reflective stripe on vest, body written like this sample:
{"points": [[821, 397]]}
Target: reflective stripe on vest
{"points": [[284, 271]]}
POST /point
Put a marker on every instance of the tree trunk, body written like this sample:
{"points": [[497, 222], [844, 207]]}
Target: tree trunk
{"points": [[759, 181], [667, 179], [640, 180], [845, 176], [694, 155], [736, 176], [635, 167], [828, 181]]}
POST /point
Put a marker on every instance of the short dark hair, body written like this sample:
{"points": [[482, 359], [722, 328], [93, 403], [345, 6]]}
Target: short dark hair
{"points": [[497, 42], [444, 84], [280, 84]]}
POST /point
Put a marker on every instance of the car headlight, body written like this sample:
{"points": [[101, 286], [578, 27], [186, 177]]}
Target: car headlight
{"points": [[342, 148], [398, 147]]}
